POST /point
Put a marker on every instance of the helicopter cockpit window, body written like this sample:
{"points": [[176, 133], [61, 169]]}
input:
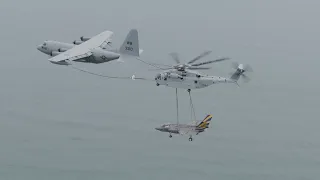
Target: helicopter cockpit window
{"points": [[44, 44]]}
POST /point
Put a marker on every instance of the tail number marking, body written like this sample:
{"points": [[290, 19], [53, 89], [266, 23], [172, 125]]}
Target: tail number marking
{"points": [[129, 48]]}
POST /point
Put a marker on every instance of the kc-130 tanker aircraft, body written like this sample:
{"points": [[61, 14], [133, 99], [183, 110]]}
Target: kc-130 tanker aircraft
{"points": [[97, 49]]}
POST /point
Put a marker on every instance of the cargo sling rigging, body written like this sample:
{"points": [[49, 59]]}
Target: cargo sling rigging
{"points": [[192, 111]]}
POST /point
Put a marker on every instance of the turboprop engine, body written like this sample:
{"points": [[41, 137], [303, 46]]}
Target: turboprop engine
{"points": [[172, 75], [62, 49], [77, 42], [54, 53], [82, 38], [100, 56], [175, 76]]}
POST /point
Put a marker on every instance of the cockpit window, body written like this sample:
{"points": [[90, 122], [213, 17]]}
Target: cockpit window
{"points": [[44, 44], [165, 125]]}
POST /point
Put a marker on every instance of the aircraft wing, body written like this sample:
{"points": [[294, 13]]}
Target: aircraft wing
{"points": [[82, 50], [186, 130]]}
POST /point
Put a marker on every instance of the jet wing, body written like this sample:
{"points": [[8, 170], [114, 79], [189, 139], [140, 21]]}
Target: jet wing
{"points": [[82, 50], [186, 130]]}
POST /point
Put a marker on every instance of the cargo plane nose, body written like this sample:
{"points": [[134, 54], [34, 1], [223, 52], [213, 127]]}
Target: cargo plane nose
{"points": [[40, 48]]}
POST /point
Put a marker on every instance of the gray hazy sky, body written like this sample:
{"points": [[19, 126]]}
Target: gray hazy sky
{"points": [[57, 123]]}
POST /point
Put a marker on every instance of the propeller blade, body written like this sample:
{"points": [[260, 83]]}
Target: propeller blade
{"points": [[199, 68], [175, 57], [248, 68], [235, 65], [213, 61], [245, 78], [200, 56]]}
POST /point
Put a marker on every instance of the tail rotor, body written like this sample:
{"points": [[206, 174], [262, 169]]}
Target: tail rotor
{"points": [[240, 70]]}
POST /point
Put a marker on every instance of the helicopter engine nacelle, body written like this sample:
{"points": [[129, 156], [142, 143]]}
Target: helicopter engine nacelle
{"points": [[175, 76]]}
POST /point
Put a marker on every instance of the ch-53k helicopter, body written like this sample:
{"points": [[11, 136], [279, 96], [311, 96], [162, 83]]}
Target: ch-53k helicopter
{"points": [[183, 76]]}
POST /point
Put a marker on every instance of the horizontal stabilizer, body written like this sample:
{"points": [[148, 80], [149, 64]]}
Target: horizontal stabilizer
{"points": [[140, 51]]}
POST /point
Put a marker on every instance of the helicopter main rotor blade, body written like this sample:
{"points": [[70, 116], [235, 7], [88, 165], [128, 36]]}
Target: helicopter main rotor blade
{"points": [[157, 64], [159, 69], [199, 68], [175, 57], [199, 57], [150, 64], [209, 62]]}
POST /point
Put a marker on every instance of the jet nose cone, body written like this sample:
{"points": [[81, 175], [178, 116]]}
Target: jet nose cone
{"points": [[157, 128]]}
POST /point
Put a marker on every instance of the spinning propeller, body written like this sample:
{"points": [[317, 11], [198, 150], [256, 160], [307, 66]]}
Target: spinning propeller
{"points": [[189, 65], [240, 70]]}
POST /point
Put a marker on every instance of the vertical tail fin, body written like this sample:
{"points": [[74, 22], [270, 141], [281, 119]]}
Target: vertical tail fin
{"points": [[130, 46], [205, 122], [235, 76]]}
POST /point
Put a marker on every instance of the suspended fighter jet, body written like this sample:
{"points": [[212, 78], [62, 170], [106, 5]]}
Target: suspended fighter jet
{"points": [[186, 128], [96, 50]]}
